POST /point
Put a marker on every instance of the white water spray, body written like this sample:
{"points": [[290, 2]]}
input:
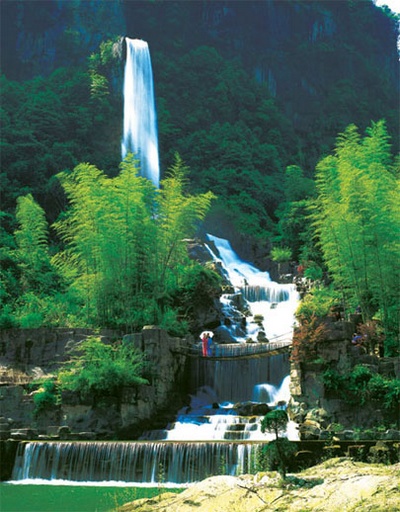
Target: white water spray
{"points": [[140, 119]]}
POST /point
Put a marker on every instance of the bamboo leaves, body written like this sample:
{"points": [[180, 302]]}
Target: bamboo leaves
{"points": [[357, 221], [124, 240], [32, 252]]}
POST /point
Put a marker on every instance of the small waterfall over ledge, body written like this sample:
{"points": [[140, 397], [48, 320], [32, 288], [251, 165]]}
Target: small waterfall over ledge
{"points": [[131, 462]]}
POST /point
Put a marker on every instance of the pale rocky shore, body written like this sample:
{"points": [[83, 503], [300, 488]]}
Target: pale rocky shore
{"points": [[337, 485]]}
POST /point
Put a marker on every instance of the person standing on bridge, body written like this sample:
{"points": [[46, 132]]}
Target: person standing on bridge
{"points": [[204, 342], [209, 341]]}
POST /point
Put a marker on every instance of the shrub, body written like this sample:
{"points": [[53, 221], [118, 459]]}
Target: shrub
{"points": [[305, 340], [317, 303], [276, 456], [171, 323], [361, 385], [46, 397], [98, 368], [7, 320], [391, 399], [332, 380], [278, 453]]}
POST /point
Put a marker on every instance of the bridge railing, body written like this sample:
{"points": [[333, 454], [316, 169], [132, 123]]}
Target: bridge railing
{"points": [[243, 349]]}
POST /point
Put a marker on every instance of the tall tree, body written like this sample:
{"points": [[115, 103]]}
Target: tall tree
{"points": [[32, 252]]}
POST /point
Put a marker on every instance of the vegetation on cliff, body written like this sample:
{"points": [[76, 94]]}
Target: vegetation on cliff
{"points": [[357, 221]]}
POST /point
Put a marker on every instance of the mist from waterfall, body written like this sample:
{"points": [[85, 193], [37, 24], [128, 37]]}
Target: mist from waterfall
{"points": [[140, 118]]}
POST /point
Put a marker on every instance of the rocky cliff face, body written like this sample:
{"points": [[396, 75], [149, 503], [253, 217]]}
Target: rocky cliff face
{"points": [[26, 354], [303, 50], [317, 409], [296, 47], [41, 36]]}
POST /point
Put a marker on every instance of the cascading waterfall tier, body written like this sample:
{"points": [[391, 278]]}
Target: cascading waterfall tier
{"points": [[140, 119], [218, 433], [234, 378], [138, 462], [272, 302]]}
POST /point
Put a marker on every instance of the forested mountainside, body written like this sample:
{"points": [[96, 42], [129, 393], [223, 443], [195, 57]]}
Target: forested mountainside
{"points": [[244, 89]]}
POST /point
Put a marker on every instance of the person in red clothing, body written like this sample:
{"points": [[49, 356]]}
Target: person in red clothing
{"points": [[204, 341]]}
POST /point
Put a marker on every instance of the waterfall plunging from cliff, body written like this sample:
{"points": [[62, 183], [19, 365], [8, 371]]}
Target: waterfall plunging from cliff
{"points": [[140, 119]]}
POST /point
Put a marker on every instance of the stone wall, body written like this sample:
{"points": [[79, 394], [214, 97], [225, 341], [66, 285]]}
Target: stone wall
{"points": [[44, 348], [39, 352]]}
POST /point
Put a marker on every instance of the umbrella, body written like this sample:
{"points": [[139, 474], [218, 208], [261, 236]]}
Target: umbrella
{"points": [[209, 334]]}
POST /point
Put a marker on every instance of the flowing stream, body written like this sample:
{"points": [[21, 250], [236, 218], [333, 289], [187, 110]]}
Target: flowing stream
{"points": [[219, 432]]}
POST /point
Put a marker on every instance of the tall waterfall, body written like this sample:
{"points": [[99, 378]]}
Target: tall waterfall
{"points": [[140, 119]]}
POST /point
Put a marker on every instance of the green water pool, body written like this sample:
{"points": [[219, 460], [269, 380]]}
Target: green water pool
{"points": [[70, 498]]}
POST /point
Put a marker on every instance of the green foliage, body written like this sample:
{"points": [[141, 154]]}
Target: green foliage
{"points": [[294, 225], [357, 221], [98, 368], [276, 456], [313, 272], [294, 229], [362, 385], [32, 253], [297, 187], [230, 132], [46, 397], [392, 395], [7, 318], [199, 286], [29, 281], [9, 274], [275, 421], [126, 254], [278, 453], [317, 303], [281, 254]]}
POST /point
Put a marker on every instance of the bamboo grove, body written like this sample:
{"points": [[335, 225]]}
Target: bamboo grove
{"points": [[117, 255], [123, 254], [357, 225]]}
